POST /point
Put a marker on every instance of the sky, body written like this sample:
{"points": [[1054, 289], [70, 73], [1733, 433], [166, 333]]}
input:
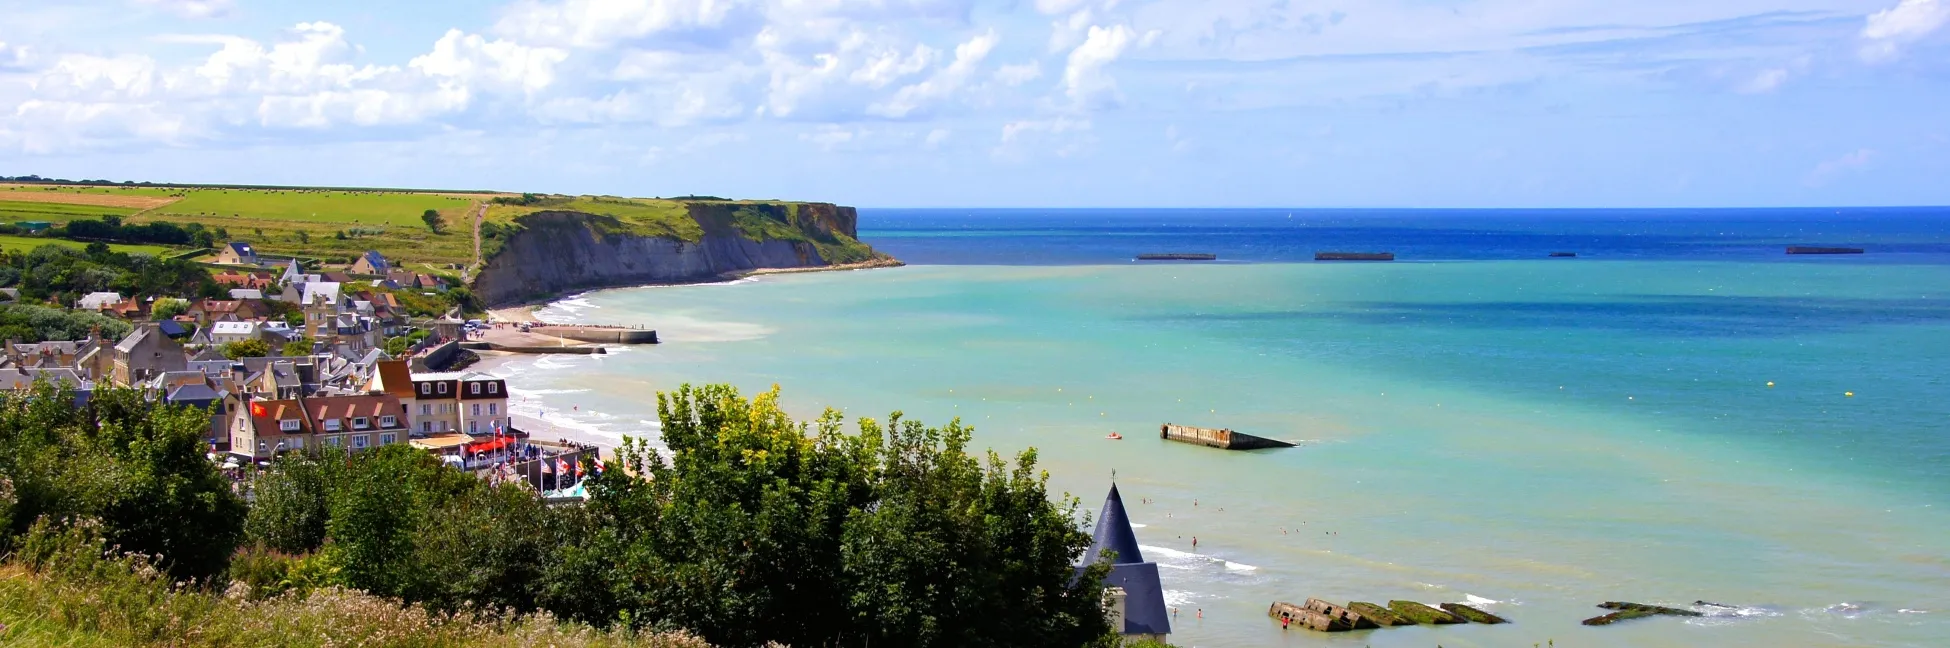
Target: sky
{"points": [[1022, 103]]}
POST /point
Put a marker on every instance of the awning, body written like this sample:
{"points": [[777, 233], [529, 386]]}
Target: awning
{"points": [[487, 446]]}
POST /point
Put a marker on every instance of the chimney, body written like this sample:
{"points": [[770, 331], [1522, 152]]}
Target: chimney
{"points": [[13, 350]]}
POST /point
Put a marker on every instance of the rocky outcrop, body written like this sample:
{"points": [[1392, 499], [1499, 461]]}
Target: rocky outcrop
{"points": [[552, 253]]}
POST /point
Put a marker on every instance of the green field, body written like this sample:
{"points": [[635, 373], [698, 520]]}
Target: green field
{"points": [[336, 208], [155, 192], [28, 243], [14, 211], [645, 216]]}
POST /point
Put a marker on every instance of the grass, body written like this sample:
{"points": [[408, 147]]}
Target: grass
{"points": [[124, 608], [14, 211], [307, 222], [28, 243], [335, 208], [641, 216]]}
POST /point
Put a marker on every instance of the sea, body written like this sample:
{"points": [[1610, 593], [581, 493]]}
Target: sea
{"points": [[1681, 414]]}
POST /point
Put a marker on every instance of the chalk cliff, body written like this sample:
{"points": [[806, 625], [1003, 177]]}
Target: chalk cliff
{"points": [[552, 252]]}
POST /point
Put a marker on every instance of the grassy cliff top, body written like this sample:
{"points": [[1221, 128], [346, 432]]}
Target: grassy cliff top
{"points": [[335, 224]]}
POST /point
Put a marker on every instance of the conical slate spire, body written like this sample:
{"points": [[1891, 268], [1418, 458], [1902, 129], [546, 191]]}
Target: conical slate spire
{"points": [[1114, 533]]}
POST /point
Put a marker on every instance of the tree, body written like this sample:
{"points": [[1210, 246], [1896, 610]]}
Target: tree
{"points": [[134, 466], [435, 222], [251, 348], [892, 536], [303, 237], [167, 308], [299, 347], [396, 346]]}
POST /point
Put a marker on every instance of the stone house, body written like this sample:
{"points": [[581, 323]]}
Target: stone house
{"points": [[237, 253], [370, 263], [263, 428], [145, 353]]}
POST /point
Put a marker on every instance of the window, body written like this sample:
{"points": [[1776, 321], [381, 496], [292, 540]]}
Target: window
{"points": [[359, 442], [360, 423], [494, 388], [477, 410], [425, 409], [388, 421], [493, 409], [387, 439], [332, 441], [288, 425], [473, 388], [331, 425], [260, 446], [426, 389], [443, 388], [426, 426], [473, 427], [294, 443]]}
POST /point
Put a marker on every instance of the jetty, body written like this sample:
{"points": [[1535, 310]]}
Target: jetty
{"points": [[1221, 438], [1629, 611], [1177, 256], [1321, 616], [1809, 249], [1354, 256]]}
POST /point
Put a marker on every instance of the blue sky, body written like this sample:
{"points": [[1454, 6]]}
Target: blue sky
{"points": [[1296, 103]]}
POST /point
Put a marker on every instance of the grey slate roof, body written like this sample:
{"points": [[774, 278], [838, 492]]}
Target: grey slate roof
{"points": [[1144, 594]]}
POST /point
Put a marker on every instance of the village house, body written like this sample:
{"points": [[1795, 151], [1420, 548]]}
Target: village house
{"points": [[207, 311], [237, 253], [370, 263], [263, 428], [145, 353], [468, 402], [98, 301], [240, 279], [232, 331]]}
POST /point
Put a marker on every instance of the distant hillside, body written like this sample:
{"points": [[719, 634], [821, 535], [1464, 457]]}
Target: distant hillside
{"points": [[528, 245]]}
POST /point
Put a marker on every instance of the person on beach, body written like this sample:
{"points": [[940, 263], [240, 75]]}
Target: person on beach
{"points": [[1194, 542]]}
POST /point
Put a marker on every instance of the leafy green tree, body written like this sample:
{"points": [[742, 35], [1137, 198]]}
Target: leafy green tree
{"points": [[891, 536], [435, 222], [396, 346], [135, 466], [290, 507], [251, 348], [299, 347], [168, 307]]}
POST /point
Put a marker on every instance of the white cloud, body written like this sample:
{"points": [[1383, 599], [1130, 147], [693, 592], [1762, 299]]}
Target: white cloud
{"points": [[1764, 82], [1053, 7], [829, 137], [1015, 75], [936, 137], [1084, 79], [1828, 169], [1060, 136], [1066, 33], [191, 8], [469, 58], [889, 65], [1888, 30], [14, 57], [600, 23], [943, 83]]}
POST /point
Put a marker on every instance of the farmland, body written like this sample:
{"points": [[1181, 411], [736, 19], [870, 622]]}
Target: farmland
{"points": [[335, 208], [53, 212], [28, 243]]}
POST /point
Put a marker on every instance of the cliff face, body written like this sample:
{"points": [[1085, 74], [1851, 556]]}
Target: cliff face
{"points": [[555, 252]]}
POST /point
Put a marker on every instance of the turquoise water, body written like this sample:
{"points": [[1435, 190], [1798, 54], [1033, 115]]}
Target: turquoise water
{"points": [[1536, 436]]}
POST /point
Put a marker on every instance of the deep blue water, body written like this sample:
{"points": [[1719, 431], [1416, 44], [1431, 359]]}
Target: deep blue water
{"points": [[1097, 236]]}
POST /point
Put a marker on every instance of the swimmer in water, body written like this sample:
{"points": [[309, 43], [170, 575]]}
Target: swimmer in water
{"points": [[1194, 542]]}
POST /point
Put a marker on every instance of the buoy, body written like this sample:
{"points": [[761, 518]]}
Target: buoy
{"points": [[1770, 383], [1849, 394]]}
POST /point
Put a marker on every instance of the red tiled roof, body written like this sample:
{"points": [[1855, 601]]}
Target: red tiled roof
{"points": [[265, 415]]}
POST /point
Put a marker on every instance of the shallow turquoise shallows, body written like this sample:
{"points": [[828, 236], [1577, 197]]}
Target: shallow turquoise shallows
{"points": [[1534, 436]]}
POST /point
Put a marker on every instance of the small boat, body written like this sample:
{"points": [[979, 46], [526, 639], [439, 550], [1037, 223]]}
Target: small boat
{"points": [[1114, 436]]}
